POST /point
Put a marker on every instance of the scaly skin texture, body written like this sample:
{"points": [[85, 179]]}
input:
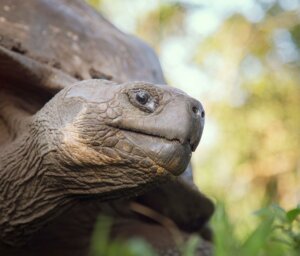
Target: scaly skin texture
{"points": [[95, 138]]}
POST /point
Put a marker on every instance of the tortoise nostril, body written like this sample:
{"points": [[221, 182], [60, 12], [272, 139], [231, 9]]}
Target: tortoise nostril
{"points": [[193, 146], [199, 112], [195, 109], [203, 114]]}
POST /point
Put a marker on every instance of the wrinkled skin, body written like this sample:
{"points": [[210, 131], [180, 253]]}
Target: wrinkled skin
{"points": [[94, 138]]}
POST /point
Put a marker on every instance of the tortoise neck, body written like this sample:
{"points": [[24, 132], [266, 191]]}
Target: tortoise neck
{"points": [[27, 201]]}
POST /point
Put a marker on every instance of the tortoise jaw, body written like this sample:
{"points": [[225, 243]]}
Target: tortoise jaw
{"points": [[170, 154]]}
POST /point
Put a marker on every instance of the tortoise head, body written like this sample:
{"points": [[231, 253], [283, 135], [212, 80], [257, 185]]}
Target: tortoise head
{"points": [[108, 137]]}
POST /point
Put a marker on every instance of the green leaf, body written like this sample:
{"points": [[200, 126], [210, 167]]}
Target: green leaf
{"points": [[225, 244], [278, 212], [272, 211], [100, 237], [191, 245], [138, 246], [257, 239], [293, 214]]}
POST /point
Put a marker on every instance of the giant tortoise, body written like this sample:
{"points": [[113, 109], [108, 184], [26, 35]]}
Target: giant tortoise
{"points": [[87, 127]]}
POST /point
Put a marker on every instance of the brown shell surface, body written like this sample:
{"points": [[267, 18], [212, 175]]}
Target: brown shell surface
{"points": [[55, 42]]}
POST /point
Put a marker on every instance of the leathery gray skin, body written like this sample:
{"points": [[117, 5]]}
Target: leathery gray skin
{"points": [[95, 138]]}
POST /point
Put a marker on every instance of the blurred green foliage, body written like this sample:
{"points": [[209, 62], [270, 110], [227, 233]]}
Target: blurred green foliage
{"points": [[242, 60], [278, 233], [101, 245]]}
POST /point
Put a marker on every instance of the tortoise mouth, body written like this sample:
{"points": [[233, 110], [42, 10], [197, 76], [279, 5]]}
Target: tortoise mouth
{"points": [[170, 154], [149, 134]]}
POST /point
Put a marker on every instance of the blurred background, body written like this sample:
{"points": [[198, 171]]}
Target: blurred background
{"points": [[241, 59]]}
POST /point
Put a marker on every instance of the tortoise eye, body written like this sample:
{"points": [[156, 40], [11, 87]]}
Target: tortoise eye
{"points": [[143, 100], [142, 97]]}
